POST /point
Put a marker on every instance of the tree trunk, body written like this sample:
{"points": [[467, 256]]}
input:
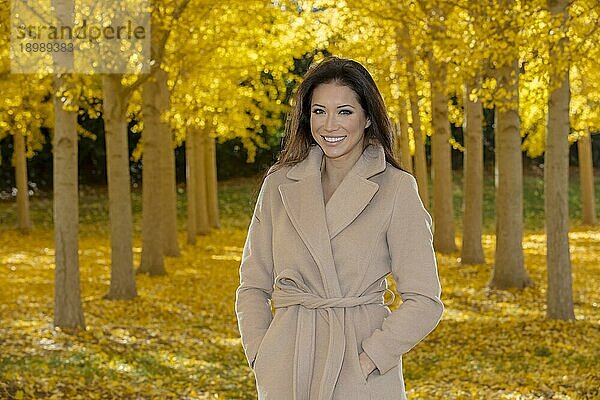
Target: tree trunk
{"points": [[396, 145], [20, 162], [68, 310], [152, 261], [122, 279], [167, 184], [586, 180], [559, 296], [212, 195], [404, 140], [472, 248], [202, 221], [441, 165], [190, 167], [420, 160], [509, 271]]}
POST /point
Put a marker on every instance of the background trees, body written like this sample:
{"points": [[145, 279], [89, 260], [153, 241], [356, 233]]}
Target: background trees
{"points": [[218, 77]]}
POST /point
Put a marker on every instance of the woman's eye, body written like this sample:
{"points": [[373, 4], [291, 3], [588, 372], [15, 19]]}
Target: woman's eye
{"points": [[345, 112], [318, 111]]}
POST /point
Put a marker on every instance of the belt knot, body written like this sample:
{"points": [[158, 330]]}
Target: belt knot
{"points": [[290, 289]]}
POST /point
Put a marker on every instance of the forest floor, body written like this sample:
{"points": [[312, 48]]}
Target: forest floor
{"points": [[179, 340]]}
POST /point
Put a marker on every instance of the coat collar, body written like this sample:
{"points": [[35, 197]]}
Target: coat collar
{"points": [[371, 162], [318, 224]]}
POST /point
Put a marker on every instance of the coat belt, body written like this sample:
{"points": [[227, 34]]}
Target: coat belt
{"points": [[290, 290]]}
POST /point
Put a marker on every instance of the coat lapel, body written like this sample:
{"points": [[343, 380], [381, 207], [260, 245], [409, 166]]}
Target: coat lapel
{"points": [[318, 224]]}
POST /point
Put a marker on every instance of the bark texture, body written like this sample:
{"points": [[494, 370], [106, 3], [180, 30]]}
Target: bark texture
{"points": [[472, 248], [202, 219], [167, 167], [152, 261], [404, 141], [441, 164], [420, 159], [212, 195], [122, 278], [68, 309], [190, 164], [559, 296], [509, 271], [20, 162], [586, 181]]}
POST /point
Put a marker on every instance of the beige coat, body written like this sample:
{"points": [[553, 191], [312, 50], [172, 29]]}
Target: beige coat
{"points": [[323, 267]]}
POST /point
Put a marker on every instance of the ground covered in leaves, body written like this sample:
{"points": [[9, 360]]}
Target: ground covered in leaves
{"points": [[179, 338]]}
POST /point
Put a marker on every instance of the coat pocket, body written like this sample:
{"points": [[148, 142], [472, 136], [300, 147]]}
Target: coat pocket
{"points": [[356, 358], [362, 373], [264, 343], [258, 351]]}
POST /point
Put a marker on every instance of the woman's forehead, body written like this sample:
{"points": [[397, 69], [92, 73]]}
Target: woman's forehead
{"points": [[334, 93]]}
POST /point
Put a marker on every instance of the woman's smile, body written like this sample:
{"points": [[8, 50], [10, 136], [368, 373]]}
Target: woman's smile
{"points": [[333, 140]]}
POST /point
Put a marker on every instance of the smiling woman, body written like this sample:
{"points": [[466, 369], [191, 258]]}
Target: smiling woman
{"points": [[335, 215]]}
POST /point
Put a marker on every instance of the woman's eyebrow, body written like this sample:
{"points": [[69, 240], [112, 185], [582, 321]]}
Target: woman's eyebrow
{"points": [[343, 105]]}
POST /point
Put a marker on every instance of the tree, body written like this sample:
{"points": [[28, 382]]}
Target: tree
{"points": [[20, 162], [586, 179], [556, 174], [472, 248], [154, 99], [441, 168], [68, 310], [509, 270], [115, 99]]}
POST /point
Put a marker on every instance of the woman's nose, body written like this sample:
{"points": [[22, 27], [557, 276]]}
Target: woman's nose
{"points": [[331, 123]]}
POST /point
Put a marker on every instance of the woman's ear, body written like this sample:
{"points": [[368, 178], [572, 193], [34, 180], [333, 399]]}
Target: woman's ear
{"points": [[368, 124]]}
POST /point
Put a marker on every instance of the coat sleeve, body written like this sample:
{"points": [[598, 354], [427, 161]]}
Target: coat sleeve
{"points": [[253, 295], [414, 267]]}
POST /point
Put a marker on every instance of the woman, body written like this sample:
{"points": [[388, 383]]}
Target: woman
{"points": [[336, 214]]}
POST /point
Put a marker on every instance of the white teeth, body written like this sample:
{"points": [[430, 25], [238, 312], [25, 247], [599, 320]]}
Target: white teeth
{"points": [[333, 139]]}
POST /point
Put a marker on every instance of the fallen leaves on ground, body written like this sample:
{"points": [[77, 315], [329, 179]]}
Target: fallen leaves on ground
{"points": [[179, 338]]}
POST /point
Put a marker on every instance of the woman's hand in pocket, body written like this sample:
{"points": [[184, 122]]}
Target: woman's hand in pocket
{"points": [[366, 364]]}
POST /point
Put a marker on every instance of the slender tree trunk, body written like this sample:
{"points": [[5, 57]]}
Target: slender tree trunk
{"points": [[441, 165], [190, 167], [509, 271], [396, 145], [169, 191], [212, 195], [68, 310], [404, 141], [472, 248], [152, 261], [420, 160], [559, 296], [167, 166], [122, 279], [586, 180], [402, 146], [202, 224], [20, 162]]}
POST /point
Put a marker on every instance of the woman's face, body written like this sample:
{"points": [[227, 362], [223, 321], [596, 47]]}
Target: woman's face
{"points": [[337, 121]]}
